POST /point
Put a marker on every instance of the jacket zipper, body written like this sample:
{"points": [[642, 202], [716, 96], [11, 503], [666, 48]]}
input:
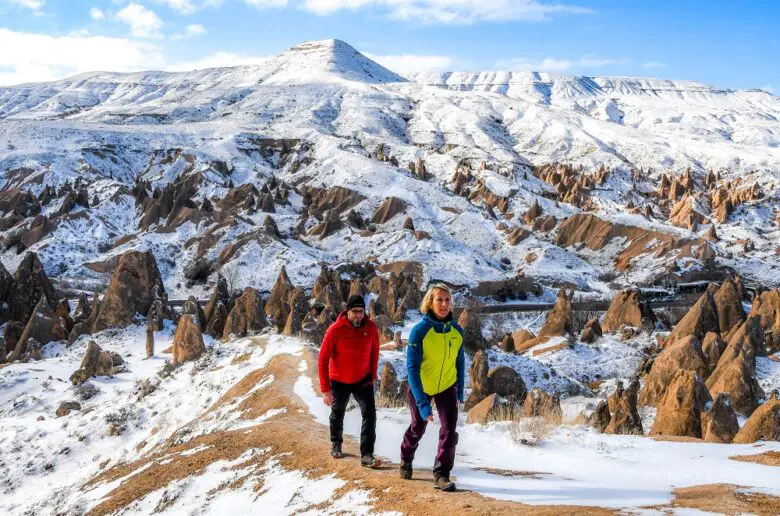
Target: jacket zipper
{"points": [[443, 360]]}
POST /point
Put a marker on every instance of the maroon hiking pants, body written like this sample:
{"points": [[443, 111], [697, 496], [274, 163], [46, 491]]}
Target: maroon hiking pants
{"points": [[447, 406]]}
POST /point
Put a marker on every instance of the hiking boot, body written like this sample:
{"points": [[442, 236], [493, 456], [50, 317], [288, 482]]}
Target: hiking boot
{"points": [[444, 483], [406, 470], [336, 452], [369, 461]]}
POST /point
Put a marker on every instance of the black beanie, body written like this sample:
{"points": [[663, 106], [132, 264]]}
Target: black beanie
{"points": [[356, 302]]}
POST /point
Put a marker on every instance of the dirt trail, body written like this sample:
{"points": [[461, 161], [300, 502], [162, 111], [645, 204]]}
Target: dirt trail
{"points": [[299, 443]]}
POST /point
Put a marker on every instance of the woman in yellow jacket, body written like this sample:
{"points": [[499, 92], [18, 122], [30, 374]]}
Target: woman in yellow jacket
{"points": [[435, 365]]}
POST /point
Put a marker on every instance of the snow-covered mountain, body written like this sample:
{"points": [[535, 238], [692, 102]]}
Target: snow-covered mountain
{"points": [[315, 116]]}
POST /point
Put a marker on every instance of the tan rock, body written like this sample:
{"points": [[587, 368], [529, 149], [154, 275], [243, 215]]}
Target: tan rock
{"points": [[44, 326], [591, 331], [276, 308], [391, 207], [700, 319], [135, 284], [484, 411], [625, 419], [192, 307], [471, 323], [520, 337], [506, 382], [221, 294], [600, 417], [628, 309], [763, 424], [96, 362], [735, 373], [680, 411], [247, 315], [30, 283], [719, 424], [216, 326], [728, 300], [389, 388], [479, 379], [187, 341], [559, 320], [684, 355], [533, 212], [713, 347]]}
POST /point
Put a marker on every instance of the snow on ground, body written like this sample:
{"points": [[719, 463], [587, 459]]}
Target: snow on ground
{"points": [[574, 465], [272, 490], [44, 456]]}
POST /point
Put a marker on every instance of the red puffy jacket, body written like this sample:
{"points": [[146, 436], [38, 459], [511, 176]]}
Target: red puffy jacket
{"points": [[348, 354]]}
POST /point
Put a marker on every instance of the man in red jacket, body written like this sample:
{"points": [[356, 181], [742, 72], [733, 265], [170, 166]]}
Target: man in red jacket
{"points": [[348, 365]]}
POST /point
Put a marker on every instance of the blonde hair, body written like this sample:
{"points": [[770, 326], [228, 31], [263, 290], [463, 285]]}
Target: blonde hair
{"points": [[427, 301]]}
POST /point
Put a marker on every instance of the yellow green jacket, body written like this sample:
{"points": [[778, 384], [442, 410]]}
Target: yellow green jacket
{"points": [[435, 360]]}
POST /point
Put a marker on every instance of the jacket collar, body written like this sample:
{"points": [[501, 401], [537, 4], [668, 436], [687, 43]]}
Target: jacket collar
{"points": [[440, 325]]}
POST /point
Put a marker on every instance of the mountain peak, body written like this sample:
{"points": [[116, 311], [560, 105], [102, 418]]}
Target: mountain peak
{"points": [[332, 57]]}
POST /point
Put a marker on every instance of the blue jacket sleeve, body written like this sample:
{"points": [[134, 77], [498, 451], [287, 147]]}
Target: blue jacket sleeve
{"points": [[460, 365], [413, 361]]}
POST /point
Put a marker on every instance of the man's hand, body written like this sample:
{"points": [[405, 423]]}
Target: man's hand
{"points": [[327, 397], [430, 418]]}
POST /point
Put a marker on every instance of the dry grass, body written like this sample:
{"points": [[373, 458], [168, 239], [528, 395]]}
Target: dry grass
{"points": [[531, 430]]}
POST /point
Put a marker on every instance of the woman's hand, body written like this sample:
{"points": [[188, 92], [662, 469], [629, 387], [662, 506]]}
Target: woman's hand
{"points": [[430, 418]]}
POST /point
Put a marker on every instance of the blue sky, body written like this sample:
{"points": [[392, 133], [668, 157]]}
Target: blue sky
{"points": [[725, 44]]}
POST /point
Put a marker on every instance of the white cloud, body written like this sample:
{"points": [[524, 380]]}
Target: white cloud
{"points": [[39, 57], [143, 23], [190, 31], [266, 4], [182, 6], [548, 64], [417, 63], [35, 5], [96, 14], [451, 11], [217, 60], [653, 64]]}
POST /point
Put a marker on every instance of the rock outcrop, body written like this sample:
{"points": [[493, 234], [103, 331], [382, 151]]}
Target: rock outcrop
{"points": [[628, 309], [735, 373], [276, 308], [135, 284], [625, 417], [679, 413], [763, 424], [591, 331], [43, 326], [683, 355], [700, 319], [728, 301], [247, 315], [559, 320], [96, 362], [188, 340], [719, 423], [29, 285]]}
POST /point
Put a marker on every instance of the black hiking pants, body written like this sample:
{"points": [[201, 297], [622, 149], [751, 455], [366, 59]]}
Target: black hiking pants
{"points": [[363, 391]]}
